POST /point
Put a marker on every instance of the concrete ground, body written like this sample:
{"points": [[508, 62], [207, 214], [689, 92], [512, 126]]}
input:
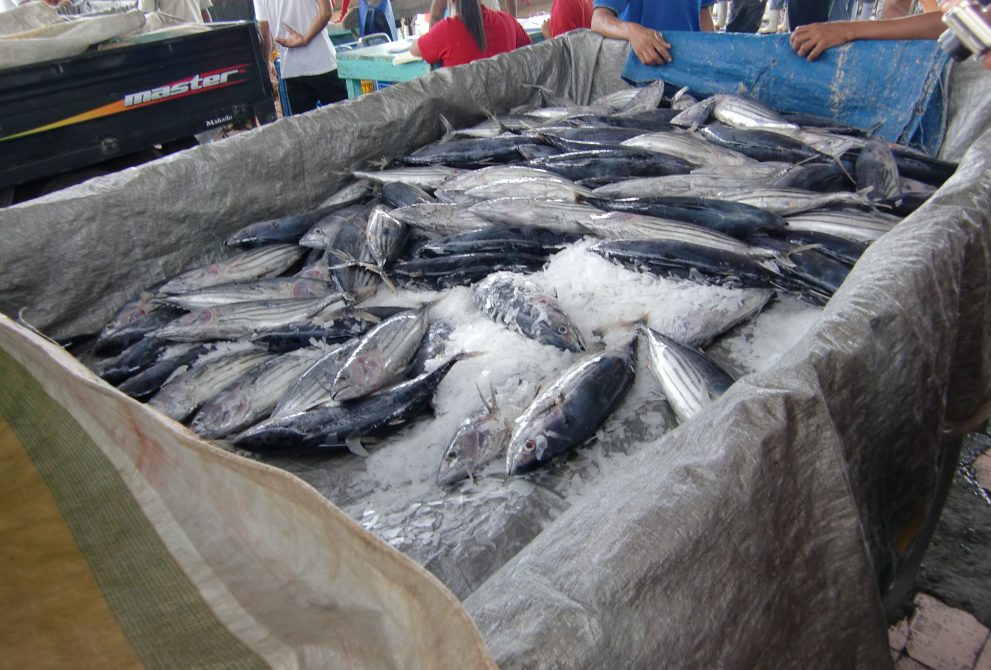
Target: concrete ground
{"points": [[948, 628]]}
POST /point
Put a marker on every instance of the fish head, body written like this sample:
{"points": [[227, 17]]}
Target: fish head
{"points": [[454, 465], [526, 450], [564, 335], [216, 420]]}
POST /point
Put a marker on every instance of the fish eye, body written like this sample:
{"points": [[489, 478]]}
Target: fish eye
{"points": [[529, 445], [451, 455], [562, 329]]}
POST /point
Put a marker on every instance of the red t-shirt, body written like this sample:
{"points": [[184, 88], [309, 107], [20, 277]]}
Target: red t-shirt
{"points": [[449, 42], [570, 14]]}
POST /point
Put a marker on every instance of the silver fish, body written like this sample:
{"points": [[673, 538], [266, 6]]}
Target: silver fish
{"points": [[700, 185], [382, 354], [275, 288], [428, 177], [524, 307], [353, 192], [571, 409], [324, 233], [187, 390], [241, 319], [647, 97], [688, 148], [480, 439], [690, 379], [556, 215], [385, 235], [497, 173], [253, 395], [618, 99], [856, 226], [542, 189], [441, 217], [630, 226], [767, 169], [877, 172], [312, 388], [696, 115], [267, 261], [786, 201], [741, 112]]}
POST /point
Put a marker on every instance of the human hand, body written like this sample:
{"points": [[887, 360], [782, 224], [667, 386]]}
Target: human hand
{"points": [[811, 40], [294, 39], [545, 29], [272, 76], [649, 45]]}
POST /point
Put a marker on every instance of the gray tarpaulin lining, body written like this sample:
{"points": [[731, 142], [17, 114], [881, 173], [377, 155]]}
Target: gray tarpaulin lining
{"points": [[752, 536]]}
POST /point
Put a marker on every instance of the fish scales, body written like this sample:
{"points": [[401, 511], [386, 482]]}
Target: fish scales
{"points": [[427, 177], [514, 239], [382, 354], [344, 425], [183, 394], [239, 320], [612, 164], [524, 307], [266, 261], [275, 288], [252, 396], [461, 269], [570, 409], [730, 218], [312, 387], [877, 172], [690, 379], [688, 148], [748, 113], [689, 261]]}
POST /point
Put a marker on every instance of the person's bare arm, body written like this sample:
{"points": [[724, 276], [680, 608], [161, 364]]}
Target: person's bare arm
{"points": [[205, 13], [437, 9], [266, 36], [414, 49], [318, 24], [705, 20], [649, 45], [811, 40]]}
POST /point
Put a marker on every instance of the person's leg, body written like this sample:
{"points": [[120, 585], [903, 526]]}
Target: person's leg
{"points": [[328, 88], [804, 12], [302, 97], [746, 16]]}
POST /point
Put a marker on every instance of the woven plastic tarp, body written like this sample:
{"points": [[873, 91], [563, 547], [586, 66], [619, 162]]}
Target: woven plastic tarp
{"points": [[899, 86], [766, 532]]}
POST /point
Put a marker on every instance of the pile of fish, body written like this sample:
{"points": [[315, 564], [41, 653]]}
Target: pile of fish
{"points": [[320, 333]]}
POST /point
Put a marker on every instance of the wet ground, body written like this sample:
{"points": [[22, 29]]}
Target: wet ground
{"points": [[951, 608]]}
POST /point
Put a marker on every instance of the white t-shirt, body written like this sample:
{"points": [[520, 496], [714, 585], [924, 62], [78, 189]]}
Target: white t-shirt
{"points": [[317, 57], [186, 10]]}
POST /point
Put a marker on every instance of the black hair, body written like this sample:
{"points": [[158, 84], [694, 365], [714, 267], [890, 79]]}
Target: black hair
{"points": [[471, 13]]}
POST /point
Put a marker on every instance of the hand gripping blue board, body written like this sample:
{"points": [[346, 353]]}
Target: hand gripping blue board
{"points": [[898, 85]]}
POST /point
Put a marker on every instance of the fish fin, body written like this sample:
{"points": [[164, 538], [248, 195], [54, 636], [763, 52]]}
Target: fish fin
{"points": [[353, 443], [22, 321], [367, 316], [489, 404], [448, 129]]}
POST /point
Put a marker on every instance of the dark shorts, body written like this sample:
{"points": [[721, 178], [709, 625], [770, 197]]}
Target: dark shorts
{"points": [[304, 92]]}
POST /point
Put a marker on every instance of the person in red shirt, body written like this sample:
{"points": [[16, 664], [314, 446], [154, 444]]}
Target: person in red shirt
{"points": [[476, 32], [567, 15]]}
